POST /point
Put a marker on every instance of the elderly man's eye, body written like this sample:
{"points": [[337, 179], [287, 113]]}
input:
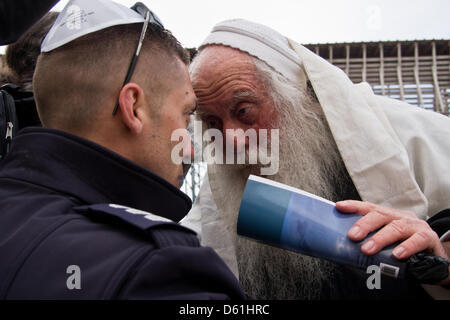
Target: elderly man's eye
{"points": [[246, 114], [212, 122], [243, 111]]}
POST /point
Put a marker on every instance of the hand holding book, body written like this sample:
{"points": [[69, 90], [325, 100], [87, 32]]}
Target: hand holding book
{"points": [[295, 220], [394, 226]]}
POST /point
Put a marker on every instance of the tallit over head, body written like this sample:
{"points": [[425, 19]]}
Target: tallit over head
{"points": [[261, 42]]}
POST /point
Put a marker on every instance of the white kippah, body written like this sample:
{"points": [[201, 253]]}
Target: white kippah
{"points": [[80, 17], [261, 42]]}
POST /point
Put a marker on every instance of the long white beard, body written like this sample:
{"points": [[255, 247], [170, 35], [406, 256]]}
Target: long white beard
{"points": [[309, 160]]}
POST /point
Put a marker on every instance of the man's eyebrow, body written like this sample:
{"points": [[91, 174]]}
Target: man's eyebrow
{"points": [[236, 97], [239, 95], [200, 112]]}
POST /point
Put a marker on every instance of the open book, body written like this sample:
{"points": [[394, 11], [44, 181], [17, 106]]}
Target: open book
{"points": [[292, 219]]}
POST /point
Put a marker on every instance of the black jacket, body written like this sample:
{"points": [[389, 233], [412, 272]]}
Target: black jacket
{"points": [[56, 192]]}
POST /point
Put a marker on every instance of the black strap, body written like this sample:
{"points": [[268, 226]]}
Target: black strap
{"points": [[440, 222]]}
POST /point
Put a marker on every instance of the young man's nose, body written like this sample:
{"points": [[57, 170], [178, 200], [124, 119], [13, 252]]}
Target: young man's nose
{"points": [[188, 156]]}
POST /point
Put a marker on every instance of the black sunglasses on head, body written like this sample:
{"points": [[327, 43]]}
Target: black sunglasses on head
{"points": [[149, 17]]}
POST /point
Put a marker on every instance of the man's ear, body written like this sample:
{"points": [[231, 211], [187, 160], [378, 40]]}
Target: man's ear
{"points": [[131, 97]]}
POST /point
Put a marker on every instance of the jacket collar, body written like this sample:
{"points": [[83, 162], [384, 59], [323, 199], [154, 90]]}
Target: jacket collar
{"points": [[84, 170]]}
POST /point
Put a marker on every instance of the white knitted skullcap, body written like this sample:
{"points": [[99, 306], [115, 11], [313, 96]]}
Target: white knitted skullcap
{"points": [[80, 17], [261, 42]]}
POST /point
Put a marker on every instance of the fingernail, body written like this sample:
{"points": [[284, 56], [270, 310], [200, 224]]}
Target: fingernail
{"points": [[399, 252], [354, 232], [369, 246]]}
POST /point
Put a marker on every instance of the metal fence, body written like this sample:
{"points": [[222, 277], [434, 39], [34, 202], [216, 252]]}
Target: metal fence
{"points": [[193, 180], [417, 72]]}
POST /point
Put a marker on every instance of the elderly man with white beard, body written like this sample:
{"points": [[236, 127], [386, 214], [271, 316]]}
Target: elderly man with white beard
{"points": [[337, 140]]}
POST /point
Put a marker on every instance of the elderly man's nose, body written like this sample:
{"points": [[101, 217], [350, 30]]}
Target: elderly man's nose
{"points": [[234, 136], [231, 126]]}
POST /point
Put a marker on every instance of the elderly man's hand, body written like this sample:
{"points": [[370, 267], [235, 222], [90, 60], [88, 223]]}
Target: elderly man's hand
{"points": [[396, 225]]}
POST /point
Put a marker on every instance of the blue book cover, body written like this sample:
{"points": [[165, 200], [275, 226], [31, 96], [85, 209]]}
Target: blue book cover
{"points": [[292, 219]]}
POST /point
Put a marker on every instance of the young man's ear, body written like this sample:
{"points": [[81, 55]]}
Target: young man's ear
{"points": [[130, 99]]}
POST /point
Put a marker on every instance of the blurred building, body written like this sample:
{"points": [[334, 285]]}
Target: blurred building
{"points": [[417, 72]]}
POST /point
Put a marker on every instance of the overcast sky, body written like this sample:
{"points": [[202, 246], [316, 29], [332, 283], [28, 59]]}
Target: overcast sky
{"points": [[308, 21]]}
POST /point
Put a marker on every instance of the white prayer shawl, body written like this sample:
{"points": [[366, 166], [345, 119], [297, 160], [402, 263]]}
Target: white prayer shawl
{"points": [[397, 155]]}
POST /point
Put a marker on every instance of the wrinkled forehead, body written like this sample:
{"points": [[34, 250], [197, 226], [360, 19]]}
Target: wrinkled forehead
{"points": [[214, 62]]}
